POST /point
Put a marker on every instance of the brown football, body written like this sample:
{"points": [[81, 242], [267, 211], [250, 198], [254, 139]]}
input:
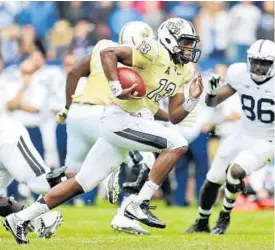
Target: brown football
{"points": [[128, 77]]}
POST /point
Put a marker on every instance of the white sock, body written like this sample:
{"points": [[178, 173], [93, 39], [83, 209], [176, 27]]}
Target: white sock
{"points": [[127, 200], [147, 191], [204, 214], [33, 211]]}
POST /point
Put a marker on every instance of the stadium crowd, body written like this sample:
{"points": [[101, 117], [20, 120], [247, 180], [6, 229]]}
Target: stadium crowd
{"points": [[41, 41]]}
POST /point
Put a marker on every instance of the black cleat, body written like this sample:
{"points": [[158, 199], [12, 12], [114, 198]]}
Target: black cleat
{"points": [[140, 212], [17, 228], [200, 226], [222, 223]]}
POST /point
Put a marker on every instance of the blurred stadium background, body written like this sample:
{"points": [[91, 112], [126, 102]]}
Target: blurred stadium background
{"points": [[40, 41]]}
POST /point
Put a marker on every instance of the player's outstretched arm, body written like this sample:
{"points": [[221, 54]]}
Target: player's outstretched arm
{"points": [[215, 94], [81, 69], [176, 111], [179, 107]]}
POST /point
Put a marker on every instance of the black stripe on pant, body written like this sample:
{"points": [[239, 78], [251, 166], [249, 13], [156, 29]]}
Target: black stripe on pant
{"points": [[28, 156], [144, 138]]}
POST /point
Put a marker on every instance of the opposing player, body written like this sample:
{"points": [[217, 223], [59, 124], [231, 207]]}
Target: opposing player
{"points": [[251, 146], [19, 160], [165, 66]]}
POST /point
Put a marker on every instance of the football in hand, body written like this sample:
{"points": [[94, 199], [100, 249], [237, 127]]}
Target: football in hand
{"points": [[128, 77]]}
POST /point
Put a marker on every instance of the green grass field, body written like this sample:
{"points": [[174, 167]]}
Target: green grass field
{"points": [[89, 228]]}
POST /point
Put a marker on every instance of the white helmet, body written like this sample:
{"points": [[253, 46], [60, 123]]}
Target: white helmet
{"points": [[176, 35], [133, 32], [260, 60]]}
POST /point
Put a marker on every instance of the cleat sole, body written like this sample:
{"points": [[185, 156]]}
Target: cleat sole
{"points": [[132, 217], [129, 230]]}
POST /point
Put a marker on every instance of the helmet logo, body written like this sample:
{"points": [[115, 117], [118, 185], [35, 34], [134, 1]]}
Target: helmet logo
{"points": [[173, 28], [145, 32]]}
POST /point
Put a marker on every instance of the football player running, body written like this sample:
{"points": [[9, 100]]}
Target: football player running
{"points": [[139, 163], [83, 110], [83, 115], [251, 146], [165, 66]]}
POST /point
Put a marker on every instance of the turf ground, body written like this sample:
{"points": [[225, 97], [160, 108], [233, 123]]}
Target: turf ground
{"points": [[89, 228]]}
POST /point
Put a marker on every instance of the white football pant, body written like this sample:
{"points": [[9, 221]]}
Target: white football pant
{"points": [[82, 132], [119, 132], [83, 123], [248, 152], [19, 160]]}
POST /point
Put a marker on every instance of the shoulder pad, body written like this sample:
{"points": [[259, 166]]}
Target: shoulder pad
{"points": [[149, 47], [234, 70], [106, 43]]}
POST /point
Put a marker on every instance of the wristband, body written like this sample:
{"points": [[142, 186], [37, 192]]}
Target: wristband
{"points": [[116, 88], [190, 104]]}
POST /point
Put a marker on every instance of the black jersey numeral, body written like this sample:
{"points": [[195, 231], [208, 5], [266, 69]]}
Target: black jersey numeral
{"points": [[263, 115]]}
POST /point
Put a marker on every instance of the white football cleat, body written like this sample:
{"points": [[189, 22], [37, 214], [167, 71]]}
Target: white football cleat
{"points": [[122, 224], [45, 225], [17, 227]]}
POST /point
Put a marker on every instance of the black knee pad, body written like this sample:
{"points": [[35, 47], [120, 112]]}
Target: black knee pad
{"points": [[238, 174], [10, 206], [136, 178], [54, 176]]}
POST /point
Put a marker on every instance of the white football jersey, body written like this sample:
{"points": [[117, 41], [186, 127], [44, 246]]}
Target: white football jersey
{"points": [[257, 102]]}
